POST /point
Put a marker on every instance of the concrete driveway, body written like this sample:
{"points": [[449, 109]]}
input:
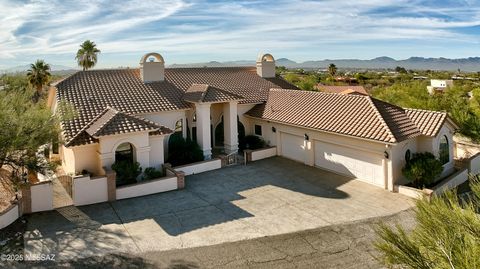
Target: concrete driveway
{"points": [[268, 197]]}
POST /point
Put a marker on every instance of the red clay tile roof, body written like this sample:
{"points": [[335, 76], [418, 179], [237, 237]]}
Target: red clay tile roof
{"points": [[429, 122], [199, 93], [111, 122], [341, 89], [92, 91], [353, 115]]}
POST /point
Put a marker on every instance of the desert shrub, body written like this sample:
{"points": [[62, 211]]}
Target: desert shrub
{"points": [[422, 169], [127, 172], [446, 234], [251, 142], [152, 173], [181, 151]]}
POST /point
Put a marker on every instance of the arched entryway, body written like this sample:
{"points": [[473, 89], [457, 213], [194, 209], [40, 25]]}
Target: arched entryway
{"points": [[125, 152], [220, 132]]}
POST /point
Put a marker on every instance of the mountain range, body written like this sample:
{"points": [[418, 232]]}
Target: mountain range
{"points": [[471, 64], [54, 68]]}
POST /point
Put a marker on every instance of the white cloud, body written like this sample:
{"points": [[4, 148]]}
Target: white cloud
{"points": [[42, 27]]}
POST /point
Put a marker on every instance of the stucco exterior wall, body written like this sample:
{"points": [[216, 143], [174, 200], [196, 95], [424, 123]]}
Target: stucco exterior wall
{"points": [[168, 118], [68, 159], [8, 216], [42, 197], [398, 160], [76, 159], [157, 157], [147, 187], [447, 130], [273, 137], [263, 153], [241, 110], [88, 190], [199, 167], [139, 140]]}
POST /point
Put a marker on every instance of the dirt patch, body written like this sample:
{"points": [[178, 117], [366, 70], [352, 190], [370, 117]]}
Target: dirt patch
{"points": [[6, 190]]}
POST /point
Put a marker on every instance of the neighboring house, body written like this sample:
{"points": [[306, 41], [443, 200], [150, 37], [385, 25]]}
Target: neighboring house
{"points": [[342, 89], [439, 85], [130, 114]]}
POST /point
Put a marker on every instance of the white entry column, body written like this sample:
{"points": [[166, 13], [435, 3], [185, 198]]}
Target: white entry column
{"points": [[230, 127], [203, 129]]}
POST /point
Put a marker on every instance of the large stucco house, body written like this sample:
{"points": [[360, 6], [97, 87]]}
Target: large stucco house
{"points": [[136, 111]]}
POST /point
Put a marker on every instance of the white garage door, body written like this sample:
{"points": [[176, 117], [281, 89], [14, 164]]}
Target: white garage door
{"points": [[360, 164], [292, 147]]}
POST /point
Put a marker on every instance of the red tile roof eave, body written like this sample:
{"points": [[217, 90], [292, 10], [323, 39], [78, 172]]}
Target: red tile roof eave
{"points": [[144, 131], [213, 102], [324, 131]]}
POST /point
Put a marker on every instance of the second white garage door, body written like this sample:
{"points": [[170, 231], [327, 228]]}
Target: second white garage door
{"points": [[292, 147], [360, 164]]}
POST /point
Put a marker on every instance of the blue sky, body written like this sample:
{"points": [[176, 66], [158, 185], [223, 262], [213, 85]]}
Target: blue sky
{"points": [[185, 31]]}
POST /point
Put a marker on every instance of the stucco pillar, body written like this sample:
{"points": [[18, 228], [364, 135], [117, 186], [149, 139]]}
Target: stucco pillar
{"points": [[106, 159], [143, 157], [230, 127], [203, 129]]}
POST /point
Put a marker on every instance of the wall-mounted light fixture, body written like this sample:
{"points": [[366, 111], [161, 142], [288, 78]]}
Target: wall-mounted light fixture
{"points": [[385, 153], [306, 137], [274, 129]]}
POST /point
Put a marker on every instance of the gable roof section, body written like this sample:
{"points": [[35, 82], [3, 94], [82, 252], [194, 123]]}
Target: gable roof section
{"points": [[92, 91], [429, 122], [397, 120], [113, 122], [201, 93], [353, 115]]}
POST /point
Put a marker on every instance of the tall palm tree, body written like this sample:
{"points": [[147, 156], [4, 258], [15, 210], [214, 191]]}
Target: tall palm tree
{"points": [[87, 55], [38, 76], [332, 69]]}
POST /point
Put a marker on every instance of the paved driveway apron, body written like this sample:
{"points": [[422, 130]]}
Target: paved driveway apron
{"points": [[268, 197]]}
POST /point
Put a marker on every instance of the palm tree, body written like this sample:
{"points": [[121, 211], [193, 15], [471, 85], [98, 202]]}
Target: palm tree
{"points": [[38, 76], [332, 69], [87, 55]]}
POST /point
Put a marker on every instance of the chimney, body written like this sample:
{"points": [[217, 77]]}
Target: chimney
{"points": [[266, 65], [152, 67]]}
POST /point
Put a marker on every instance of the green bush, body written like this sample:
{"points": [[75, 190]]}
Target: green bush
{"points": [[446, 234], [181, 151], [251, 142], [127, 172], [422, 169], [152, 173]]}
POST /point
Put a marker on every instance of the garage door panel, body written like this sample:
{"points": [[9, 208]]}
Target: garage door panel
{"points": [[293, 147], [362, 165]]}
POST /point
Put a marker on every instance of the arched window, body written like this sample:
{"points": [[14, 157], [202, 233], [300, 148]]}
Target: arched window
{"points": [[124, 153], [444, 150]]}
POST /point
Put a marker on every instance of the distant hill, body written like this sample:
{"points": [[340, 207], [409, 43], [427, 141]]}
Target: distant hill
{"points": [[471, 64], [54, 69]]}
